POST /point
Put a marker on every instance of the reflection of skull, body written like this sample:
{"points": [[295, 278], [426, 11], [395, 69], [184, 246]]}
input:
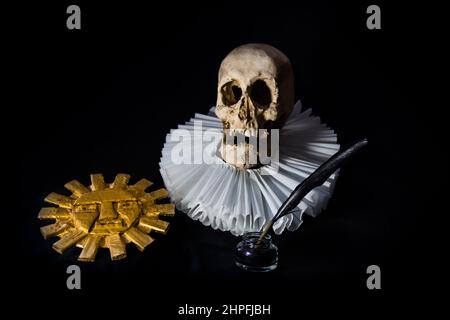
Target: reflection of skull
{"points": [[255, 91]]}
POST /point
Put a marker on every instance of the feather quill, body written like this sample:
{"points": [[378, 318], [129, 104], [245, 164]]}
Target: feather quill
{"points": [[317, 178]]}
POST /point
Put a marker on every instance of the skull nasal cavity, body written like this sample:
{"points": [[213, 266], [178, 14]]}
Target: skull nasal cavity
{"points": [[261, 94], [231, 93]]}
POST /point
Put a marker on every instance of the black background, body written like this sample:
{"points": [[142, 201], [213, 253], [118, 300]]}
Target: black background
{"points": [[101, 100]]}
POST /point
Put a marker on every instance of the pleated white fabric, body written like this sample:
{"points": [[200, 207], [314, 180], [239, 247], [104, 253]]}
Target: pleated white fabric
{"points": [[239, 201]]}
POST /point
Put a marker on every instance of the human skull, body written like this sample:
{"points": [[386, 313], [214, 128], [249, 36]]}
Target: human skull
{"points": [[255, 91]]}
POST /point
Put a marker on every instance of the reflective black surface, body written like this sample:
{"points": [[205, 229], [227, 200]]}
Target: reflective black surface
{"points": [[102, 100]]}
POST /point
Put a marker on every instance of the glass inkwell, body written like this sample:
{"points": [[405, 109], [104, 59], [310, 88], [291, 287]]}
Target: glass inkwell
{"points": [[256, 252]]}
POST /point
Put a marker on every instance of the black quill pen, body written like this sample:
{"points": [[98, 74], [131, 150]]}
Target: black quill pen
{"points": [[317, 178]]}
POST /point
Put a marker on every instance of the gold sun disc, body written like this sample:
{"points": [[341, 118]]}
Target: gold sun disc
{"points": [[105, 215]]}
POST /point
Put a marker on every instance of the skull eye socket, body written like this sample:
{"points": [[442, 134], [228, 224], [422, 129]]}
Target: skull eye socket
{"points": [[261, 94], [231, 93]]}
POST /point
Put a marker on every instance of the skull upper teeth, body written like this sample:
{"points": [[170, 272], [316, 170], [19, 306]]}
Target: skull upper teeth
{"points": [[251, 132]]}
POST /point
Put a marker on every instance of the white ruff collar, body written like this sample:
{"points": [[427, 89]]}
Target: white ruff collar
{"points": [[240, 201]]}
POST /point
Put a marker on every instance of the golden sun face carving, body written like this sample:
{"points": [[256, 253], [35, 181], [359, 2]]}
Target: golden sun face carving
{"points": [[105, 216]]}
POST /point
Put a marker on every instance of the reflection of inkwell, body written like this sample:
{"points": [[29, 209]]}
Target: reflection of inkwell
{"points": [[256, 252]]}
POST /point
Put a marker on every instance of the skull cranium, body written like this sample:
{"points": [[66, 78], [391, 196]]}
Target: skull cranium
{"points": [[255, 91]]}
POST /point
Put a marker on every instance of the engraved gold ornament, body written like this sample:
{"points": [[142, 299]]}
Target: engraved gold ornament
{"points": [[105, 215]]}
